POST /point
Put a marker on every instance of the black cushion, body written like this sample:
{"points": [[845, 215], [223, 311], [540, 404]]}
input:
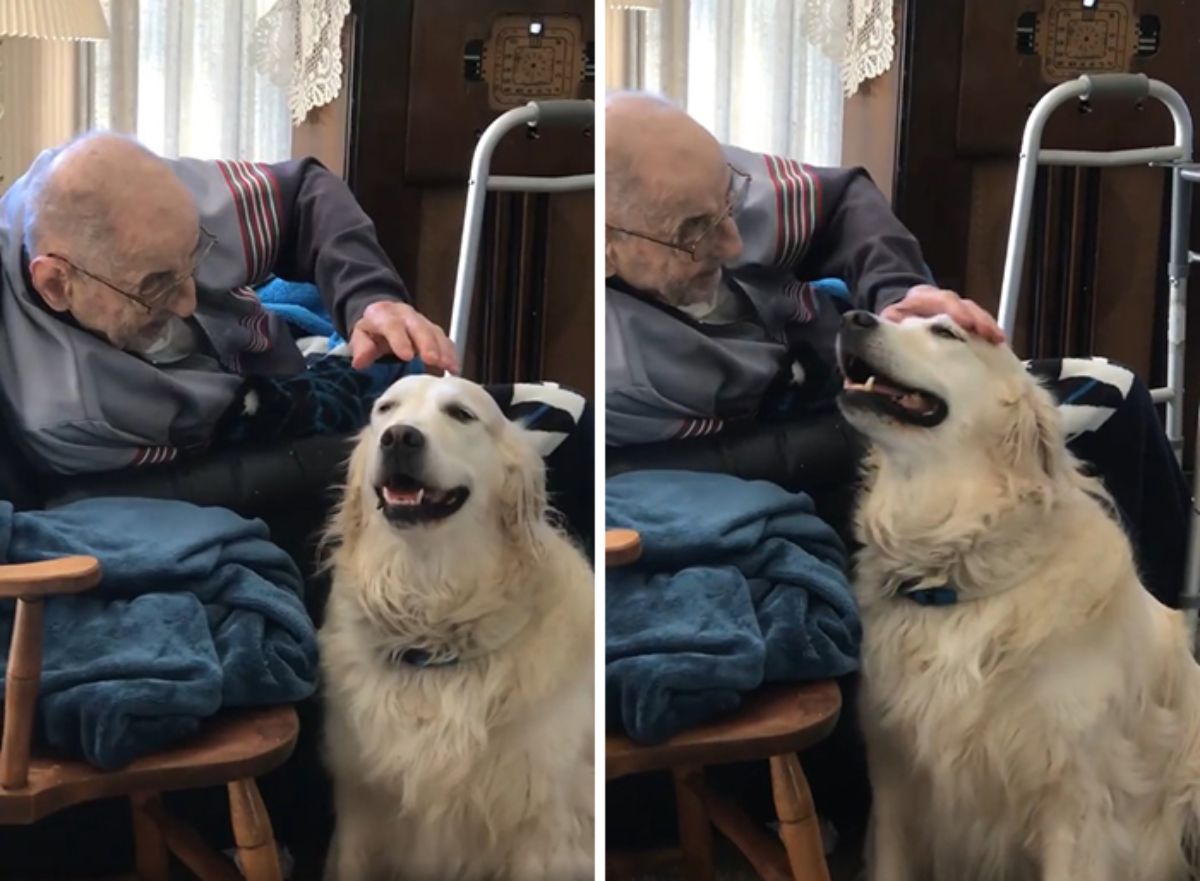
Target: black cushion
{"points": [[819, 455]]}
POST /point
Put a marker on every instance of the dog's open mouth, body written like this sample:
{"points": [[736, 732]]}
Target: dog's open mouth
{"points": [[405, 501], [870, 388]]}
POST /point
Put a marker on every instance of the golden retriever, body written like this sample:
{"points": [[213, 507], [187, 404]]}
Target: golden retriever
{"points": [[457, 653], [1031, 711]]}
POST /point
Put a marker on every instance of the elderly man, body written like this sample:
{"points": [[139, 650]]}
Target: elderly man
{"points": [[128, 317], [712, 321]]}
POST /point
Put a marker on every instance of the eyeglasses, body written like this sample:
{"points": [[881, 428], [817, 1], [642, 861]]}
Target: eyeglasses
{"points": [[689, 241], [154, 294]]}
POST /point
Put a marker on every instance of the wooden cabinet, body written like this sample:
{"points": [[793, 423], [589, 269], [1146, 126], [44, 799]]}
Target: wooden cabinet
{"points": [[1096, 269], [423, 81]]}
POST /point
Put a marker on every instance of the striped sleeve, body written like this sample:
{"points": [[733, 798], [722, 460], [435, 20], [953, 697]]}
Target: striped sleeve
{"points": [[699, 428], [324, 237], [154, 456], [797, 197], [89, 446], [856, 238], [258, 206], [825, 223]]}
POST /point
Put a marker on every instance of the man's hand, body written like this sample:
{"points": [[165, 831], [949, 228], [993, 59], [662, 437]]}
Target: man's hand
{"points": [[389, 327], [925, 301]]}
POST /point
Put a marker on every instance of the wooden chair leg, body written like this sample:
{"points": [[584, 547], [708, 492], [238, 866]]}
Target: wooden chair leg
{"points": [[252, 832], [798, 823], [151, 858], [695, 828]]}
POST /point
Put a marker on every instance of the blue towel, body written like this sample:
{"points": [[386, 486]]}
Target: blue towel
{"points": [[301, 306], [329, 398], [739, 584], [197, 611]]}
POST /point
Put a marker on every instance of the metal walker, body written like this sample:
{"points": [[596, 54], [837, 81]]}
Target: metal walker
{"points": [[535, 113], [1184, 172]]}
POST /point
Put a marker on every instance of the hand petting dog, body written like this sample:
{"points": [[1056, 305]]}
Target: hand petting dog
{"points": [[927, 301]]}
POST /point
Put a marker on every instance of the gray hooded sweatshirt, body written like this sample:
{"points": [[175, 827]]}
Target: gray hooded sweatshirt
{"points": [[671, 375], [75, 403]]}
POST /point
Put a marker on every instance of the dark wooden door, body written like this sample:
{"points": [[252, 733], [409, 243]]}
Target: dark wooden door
{"points": [[1095, 275], [428, 77]]}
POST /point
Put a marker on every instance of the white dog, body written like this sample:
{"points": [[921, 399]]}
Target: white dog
{"points": [[457, 653], [1031, 711]]}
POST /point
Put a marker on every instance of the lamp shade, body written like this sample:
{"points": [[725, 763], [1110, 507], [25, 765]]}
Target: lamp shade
{"points": [[53, 19]]}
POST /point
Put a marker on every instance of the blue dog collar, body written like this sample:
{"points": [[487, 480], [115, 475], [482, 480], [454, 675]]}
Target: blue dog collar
{"points": [[941, 595], [421, 658]]}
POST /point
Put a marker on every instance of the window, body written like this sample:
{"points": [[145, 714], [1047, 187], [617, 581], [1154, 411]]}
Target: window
{"points": [[179, 75], [744, 69]]}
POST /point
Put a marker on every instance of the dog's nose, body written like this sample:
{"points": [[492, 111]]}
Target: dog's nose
{"points": [[404, 438], [860, 320]]}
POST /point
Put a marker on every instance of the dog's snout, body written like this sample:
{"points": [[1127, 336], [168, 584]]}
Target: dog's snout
{"points": [[403, 439], [860, 320]]}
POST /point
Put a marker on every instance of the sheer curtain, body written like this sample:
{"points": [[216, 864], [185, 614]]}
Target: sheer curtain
{"points": [[745, 69], [180, 75]]}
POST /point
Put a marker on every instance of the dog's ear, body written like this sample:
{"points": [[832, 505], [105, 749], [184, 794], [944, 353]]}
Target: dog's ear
{"points": [[1034, 442], [523, 492]]}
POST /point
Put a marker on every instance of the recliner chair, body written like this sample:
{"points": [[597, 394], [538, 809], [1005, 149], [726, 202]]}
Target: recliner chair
{"points": [[818, 454]]}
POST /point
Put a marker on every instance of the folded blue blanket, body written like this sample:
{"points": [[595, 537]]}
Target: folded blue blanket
{"points": [[740, 583], [301, 306], [197, 611]]}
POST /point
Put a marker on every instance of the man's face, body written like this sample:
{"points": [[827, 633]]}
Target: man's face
{"points": [[689, 207], [128, 296]]}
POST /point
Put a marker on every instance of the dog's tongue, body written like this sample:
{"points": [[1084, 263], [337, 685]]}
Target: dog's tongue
{"points": [[408, 497]]}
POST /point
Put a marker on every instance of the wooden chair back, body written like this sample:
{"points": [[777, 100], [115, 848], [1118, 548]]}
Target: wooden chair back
{"points": [[29, 584]]}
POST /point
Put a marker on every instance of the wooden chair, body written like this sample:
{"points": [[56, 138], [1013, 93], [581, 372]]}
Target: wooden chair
{"points": [[772, 724], [231, 751]]}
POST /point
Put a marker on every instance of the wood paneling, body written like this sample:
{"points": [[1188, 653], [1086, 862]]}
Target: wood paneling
{"points": [[869, 130], [414, 118], [933, 182], [378, 124], [999, 85], [447, 112], [1095, 271]]}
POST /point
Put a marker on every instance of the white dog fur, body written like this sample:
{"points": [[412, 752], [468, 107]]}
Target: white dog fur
{"points": [[481, 769], [1045, 727]]}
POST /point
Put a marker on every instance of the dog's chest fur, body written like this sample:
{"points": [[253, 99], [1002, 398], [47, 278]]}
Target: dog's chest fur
{"points": [[472, 766], [999, 714]]}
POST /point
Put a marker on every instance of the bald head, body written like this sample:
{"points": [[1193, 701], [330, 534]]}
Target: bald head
{"points": [[658, 154], [100, 198], [107, 222], [667, 182]]}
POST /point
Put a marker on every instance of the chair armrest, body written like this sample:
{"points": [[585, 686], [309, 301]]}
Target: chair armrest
{"points": [[29, 584], [49, 577], [621, 547]]}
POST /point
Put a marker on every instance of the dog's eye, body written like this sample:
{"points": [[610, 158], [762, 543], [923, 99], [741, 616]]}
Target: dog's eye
{"points": [[460, 414], [944, 332], [385, 407]]}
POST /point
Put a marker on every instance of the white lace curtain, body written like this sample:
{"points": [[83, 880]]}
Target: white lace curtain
{"points": [[768, 75], [860, 35], [180, 75], [298, 44]]}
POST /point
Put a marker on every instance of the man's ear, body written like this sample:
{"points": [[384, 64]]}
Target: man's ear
{"points": [[610, 261], [51, 281]]}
